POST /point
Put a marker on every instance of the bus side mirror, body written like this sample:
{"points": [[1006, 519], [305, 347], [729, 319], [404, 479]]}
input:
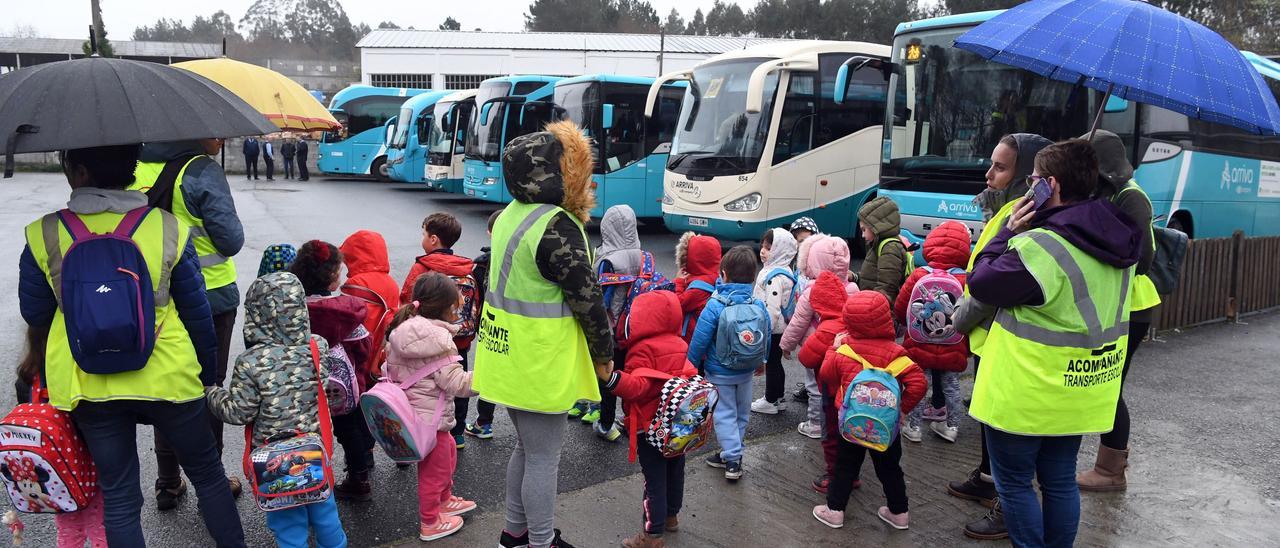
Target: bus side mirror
{"points": [[842, 83], [1115, 104], [607, 120], [484, 114], [857, 62]]}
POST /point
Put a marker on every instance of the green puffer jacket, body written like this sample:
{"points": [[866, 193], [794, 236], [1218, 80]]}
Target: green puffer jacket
{"points": [[883, 272], [274, 384]]}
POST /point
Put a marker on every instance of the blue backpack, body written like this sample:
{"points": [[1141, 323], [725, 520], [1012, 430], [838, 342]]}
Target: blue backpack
{"points": [[789, 307], [649, 279], [870, 408], [105, 291], [742, 334]]}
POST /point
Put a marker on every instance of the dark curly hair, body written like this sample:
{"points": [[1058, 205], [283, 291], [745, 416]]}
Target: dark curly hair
{"points": [[317, 266]]}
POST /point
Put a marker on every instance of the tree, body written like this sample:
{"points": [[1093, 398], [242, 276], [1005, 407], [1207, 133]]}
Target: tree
{"points": [[264, 20], [22, 31], [697, 25], [727, 20], [674, 23], [214, 28], [636, 16], [388, 25], [164, 30], [450, 24], [571, 15]]}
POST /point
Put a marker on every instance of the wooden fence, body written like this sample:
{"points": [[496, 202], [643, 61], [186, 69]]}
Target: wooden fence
{"points": [[1223, 279]]}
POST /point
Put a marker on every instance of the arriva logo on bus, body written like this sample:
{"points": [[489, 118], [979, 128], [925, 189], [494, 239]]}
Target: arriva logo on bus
{"points": [[1239, 179], [959, 209], [687, 188]]}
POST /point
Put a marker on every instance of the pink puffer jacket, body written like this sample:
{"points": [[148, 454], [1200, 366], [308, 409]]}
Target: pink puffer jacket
{"points": [[415, 343], [818, 253]]}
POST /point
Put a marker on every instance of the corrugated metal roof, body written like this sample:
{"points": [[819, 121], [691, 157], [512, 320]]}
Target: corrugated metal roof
{"points": [[445, 39], [123, 48]]}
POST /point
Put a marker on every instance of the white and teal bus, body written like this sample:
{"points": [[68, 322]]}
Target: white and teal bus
{"points": [[447, 141], [951, 107], [760, 139]]}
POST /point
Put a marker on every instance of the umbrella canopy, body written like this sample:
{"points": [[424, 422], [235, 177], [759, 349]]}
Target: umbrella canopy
{"points": [[281, 100], [1135, 51], [98, 101]]}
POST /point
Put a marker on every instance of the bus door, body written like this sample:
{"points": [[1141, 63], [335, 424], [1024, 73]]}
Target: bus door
{"points": [[336, 158]]}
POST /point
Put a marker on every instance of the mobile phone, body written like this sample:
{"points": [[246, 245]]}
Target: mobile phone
{"points": [[1040, 193]]}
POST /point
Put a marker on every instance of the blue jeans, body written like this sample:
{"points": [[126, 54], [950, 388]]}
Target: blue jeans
{"points": [[732, 412], [110, 430], [1015, 460], [291, 526]]}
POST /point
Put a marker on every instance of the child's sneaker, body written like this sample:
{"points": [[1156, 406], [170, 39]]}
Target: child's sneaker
{"points": [[764, 406], [456, 506], [801, 393], [447, 525], [579, 409], [733, 470], [831, 518], [644, 540], [558, 542], [935, 414], [482, 431], [897, 521], [911, 433], [715, 461], [810, 429], [610, 435], [460, 441], [945, 432], [822, 483], [592, 415], [509, 540]]}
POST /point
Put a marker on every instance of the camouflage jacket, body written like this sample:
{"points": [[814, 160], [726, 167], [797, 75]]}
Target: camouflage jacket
{"points": [[274, 384]]}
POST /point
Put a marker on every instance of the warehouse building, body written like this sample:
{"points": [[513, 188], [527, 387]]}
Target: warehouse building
{"points": [[431, 59]]}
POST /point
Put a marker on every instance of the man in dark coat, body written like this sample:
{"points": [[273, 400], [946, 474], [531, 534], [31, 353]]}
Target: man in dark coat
{"points": [[301, 153], [287, 150], [250, 158]]}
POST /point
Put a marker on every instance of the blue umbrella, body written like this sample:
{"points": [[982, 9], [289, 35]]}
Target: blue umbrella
{"points": [[1133, 50]]}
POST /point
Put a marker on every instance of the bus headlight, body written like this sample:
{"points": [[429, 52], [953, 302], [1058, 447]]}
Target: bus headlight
{"points": [[489, 181], [667, 199], [750, 202]]}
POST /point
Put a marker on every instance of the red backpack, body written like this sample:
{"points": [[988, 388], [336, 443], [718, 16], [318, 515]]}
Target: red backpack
{"points": [[43, 462]]}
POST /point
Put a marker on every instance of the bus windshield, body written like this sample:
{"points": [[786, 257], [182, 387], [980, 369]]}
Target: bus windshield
{"points": [[439, 146], [958, 106], [486, 142], [401, 134], [715, 136], [581, 103]]}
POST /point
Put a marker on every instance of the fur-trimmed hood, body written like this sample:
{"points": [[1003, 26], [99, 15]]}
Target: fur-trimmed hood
{"points": [[552, 166]]}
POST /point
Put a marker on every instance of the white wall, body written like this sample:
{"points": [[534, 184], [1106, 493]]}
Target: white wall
{"points": [[439, 62]]}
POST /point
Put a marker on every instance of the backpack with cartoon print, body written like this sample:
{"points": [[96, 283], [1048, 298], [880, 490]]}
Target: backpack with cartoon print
{"points": [[933, 303], [45, 465]]}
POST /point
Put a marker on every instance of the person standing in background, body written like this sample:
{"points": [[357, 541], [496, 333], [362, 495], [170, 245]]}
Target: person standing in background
{"points": [[300, 151], [269, 156], [287, 151], [250, 149]]}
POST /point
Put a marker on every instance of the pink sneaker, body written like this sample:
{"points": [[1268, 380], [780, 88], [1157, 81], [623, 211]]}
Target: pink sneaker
{"points": [[447, 525], [935, 414], [456, 506], [897, 521], [831, 518]]}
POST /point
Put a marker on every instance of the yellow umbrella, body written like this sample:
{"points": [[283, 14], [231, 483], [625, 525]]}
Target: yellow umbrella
{"points": [[280, 99]]}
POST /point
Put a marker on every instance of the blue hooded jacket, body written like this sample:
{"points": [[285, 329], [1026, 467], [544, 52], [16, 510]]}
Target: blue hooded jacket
{"points": [[702, 348]]}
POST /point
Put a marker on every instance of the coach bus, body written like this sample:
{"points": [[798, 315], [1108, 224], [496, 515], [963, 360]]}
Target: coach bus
{"points": [[506, 108], [448, 140], [359, 148], [407, 138]]}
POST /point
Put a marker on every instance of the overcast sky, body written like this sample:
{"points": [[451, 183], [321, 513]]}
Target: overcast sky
{"points": [[70, 18]]}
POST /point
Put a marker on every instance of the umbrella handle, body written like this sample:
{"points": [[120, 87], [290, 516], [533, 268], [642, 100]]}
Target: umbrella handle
{"points": [[1097, 118]]}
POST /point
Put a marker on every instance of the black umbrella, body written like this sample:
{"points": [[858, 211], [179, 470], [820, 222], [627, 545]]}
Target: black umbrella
{"points": [[99, 102]]}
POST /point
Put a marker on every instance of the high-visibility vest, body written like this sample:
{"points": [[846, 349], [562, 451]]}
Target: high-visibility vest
{"points": [[978, 337], [1055, 369], [531, 354], [1143, 292], [219, 271], [173, 372]]}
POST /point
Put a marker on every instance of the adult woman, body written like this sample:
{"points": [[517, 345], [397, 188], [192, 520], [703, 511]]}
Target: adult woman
{"points": [[1060, 274]]}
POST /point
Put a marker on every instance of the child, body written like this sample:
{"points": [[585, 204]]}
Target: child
{"points": [[439, 232], [827, 295], [483, 426], [654, 343], [775, 286], [737, 271], [870, 335], [620, 253], [698, 260], [884, 268], [339, 320], [946, 248], [802, 228], [422, 332], [276, 258], [275, 387], [369, 279]]}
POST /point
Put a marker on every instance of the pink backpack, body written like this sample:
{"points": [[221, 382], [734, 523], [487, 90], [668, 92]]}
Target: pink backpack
{"points": [[403, 435], [933, 303]]}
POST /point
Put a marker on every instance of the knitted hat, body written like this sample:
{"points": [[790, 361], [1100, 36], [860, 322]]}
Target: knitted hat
{"points": [[805, 223], [276, 258]]}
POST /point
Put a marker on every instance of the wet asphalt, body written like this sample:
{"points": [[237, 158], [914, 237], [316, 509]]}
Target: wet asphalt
{"points": [[1204, 470]]}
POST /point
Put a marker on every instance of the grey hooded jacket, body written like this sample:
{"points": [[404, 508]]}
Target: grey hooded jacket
{"points": [[620, 247]]}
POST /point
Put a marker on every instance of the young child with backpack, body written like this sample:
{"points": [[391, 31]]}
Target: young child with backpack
{"points": [[439, 232], [482, 428], [864, 364], [698, 262], [827, 294], [731, 343], [275, 389], [926, 306], [369, 279], [422, 335], [339, 320], [777, 286], [887, 263], [656, 354]]}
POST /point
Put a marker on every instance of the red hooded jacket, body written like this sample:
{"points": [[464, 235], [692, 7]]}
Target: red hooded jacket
{"points": [[369, 279], [946, 247], [869, 332], [653, 334], [444, 262], [828, 295], [702, 263]]}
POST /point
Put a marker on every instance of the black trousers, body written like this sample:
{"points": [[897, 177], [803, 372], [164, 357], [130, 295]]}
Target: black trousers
{"points": [[849, 457], [1118, 437], [166, 459], [663, 486], [357, 443], [608, 401], [251, 167], [775, 377], [302, 168], [271, 167]]}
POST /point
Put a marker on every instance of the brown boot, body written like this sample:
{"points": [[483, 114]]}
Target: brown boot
{"points": [[1107, 473], [672, 525], [644, 540], [356, 487]]}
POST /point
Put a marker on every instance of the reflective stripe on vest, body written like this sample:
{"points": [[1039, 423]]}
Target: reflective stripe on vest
{"points": [[172, 373], [978, 337], [1145, 295], [531, 353], [1055, 369], [219, 271]]}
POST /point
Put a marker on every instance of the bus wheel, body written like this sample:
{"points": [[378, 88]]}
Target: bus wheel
{"points": [[1182, 223], [380, 171]]}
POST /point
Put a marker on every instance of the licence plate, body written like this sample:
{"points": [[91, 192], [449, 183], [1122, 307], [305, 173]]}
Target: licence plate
{"points": [[697, 221]]}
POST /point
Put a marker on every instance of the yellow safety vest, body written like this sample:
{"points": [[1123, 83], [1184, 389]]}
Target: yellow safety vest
{"points": [[531, 354], [1144, 294], [172, 373], [978, 337], [1054, 369], [218, 271]]}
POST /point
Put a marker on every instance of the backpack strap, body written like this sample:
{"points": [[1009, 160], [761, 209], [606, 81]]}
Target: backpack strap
{"points": [[326, 422], [430, 368], [160, 194], [127, 226], [895, 367], [646, 265], [700, 284]]}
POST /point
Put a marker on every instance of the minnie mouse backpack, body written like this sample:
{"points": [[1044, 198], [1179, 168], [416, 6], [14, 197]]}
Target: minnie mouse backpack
{"points": [[44, 464]]}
